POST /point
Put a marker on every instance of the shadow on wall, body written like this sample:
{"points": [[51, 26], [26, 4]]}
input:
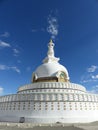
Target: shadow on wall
{"points": [[22, 120]]}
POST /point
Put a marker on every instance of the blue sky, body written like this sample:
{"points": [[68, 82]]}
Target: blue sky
{"points": [[26, 26]]}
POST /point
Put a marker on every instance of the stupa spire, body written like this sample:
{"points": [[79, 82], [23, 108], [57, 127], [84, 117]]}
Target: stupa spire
{"points": [[50, 54], [50, 49]]}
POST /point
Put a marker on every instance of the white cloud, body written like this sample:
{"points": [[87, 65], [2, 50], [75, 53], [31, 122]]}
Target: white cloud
{"points": [[5, 67], [91, 75], [1, 90], [16, 52], [38, 30], [15, 69], [94, 89], [18, 61], [53, 26], [95, 76], [5, 34], [4, 44], [89, 78], [86, 80], [92, 68]]}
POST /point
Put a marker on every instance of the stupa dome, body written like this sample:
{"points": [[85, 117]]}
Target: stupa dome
{"points": [[51, 68]]}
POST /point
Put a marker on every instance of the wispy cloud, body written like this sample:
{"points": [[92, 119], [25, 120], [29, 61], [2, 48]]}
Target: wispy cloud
{"points": [[86, 78], [91, 74], [42, 29], [15, 69], [95, 77], [5, 34], [28, 69], [92, 68], [52, 26], [34, 30], [38, 30], [1, 90], [18, 61], [94, 89], [5, 67], [4, 44], [16, 52]]}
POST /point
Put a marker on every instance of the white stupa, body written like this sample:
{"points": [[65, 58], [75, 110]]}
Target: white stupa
{"points": [[50, 98]]}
